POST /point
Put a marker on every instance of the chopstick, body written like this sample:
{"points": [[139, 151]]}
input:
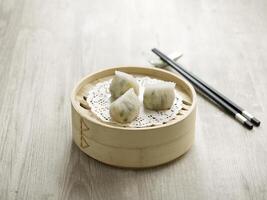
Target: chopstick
{"points": [[242, 111], [230, 107]]}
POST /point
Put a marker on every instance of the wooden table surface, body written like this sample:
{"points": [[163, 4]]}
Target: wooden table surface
{"points": [[47, 46]]}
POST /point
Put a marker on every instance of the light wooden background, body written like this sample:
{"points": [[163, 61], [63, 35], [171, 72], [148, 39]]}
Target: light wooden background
{"points": [[47, 46]]}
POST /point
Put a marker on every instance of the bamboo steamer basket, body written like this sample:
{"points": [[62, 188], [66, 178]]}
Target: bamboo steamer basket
{"points": [[133, 147]]}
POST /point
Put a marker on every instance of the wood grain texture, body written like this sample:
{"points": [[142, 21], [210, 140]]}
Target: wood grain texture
{"points": [[47, 46]]}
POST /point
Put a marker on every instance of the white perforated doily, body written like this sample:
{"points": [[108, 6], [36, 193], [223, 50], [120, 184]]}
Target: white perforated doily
{"points": [[99, 100]]}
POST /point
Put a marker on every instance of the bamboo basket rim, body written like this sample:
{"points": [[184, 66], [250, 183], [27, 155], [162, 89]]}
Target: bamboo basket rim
{"points": [[96, 121]]}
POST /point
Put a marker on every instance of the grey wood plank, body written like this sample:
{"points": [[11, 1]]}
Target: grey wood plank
{"points": [[47, 46]]}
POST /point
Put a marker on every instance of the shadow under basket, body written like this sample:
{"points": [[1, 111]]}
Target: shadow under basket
{"points": [[133, 147]]}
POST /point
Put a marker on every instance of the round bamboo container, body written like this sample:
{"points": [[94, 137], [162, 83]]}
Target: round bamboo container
{"points": [[133, 147]]}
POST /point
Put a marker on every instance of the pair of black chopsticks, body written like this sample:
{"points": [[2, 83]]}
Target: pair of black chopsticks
{"points": [[229, 106]]}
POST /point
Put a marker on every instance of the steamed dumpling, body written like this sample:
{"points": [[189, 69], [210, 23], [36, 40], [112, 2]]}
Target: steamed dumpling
{"points": [[159, 96], [122, 82], [126, 108]]}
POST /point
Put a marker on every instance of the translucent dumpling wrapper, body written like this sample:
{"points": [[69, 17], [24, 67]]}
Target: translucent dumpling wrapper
{"points": [[159, 96], [122, 82], [126, 108], [99, 100]]}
